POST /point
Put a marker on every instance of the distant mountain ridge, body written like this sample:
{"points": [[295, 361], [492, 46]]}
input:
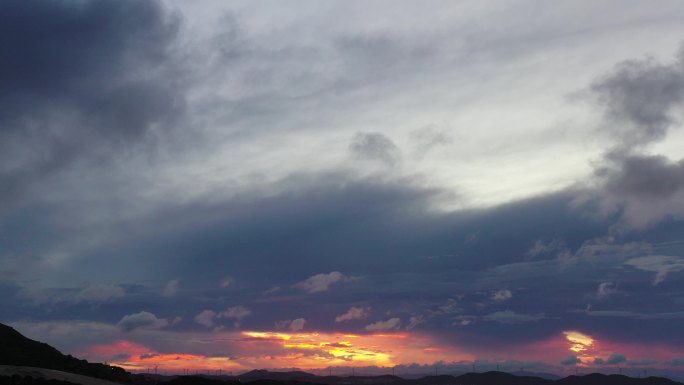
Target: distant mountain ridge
{"points": [[262, 377], [260, 374], [17, 350]]}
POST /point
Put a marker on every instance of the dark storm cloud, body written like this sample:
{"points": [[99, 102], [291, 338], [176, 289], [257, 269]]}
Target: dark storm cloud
{"points": [[643, 189], [78, 77], [639, 97], [318, 224], [337, 223], [644, 177]]}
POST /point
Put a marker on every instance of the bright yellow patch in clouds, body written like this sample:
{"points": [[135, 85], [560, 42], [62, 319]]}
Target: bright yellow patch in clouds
{"points": [[579, 342], [333, 349], [316, 350]]}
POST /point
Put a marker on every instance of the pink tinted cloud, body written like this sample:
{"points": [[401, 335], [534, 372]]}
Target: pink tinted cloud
{"points": [[114, 350]]}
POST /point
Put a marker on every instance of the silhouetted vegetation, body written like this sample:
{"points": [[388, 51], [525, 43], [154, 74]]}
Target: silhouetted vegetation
{"points": [[613, 379]]}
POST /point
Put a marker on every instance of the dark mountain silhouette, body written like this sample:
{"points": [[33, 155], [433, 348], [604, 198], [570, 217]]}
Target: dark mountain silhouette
{"points": [[500, 378], [263, 377], [613, 379], [546, 376], [21, 351], [259, 374], [487, 378]]}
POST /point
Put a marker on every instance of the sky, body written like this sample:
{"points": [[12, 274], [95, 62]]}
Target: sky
{"points": [[426, 186]]}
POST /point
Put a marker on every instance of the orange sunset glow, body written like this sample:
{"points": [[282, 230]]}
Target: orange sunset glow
{"points": [[319, 350], [287, 350]]}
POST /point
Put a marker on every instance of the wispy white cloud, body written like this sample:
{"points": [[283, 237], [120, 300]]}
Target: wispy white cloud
{"points": [[227, 282], [502, 295], [415, 321], [205, 318], [384, 326], [354, 313], [237, 313], [99, 293], [605, 289], [321, 282], [171, 288], [662, 265], [297, 324]]}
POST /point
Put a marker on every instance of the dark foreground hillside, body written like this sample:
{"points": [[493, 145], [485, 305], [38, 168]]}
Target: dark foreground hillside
{"points": [[18, 380], [21, 351]]}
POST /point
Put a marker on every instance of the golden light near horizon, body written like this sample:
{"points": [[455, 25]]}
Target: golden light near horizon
{"points": [[580, 342], [334, 349], [277, 349]]}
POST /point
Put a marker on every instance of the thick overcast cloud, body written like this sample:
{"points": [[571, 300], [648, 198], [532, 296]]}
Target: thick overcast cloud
{"points": [[79, 79], [204, 178]]}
